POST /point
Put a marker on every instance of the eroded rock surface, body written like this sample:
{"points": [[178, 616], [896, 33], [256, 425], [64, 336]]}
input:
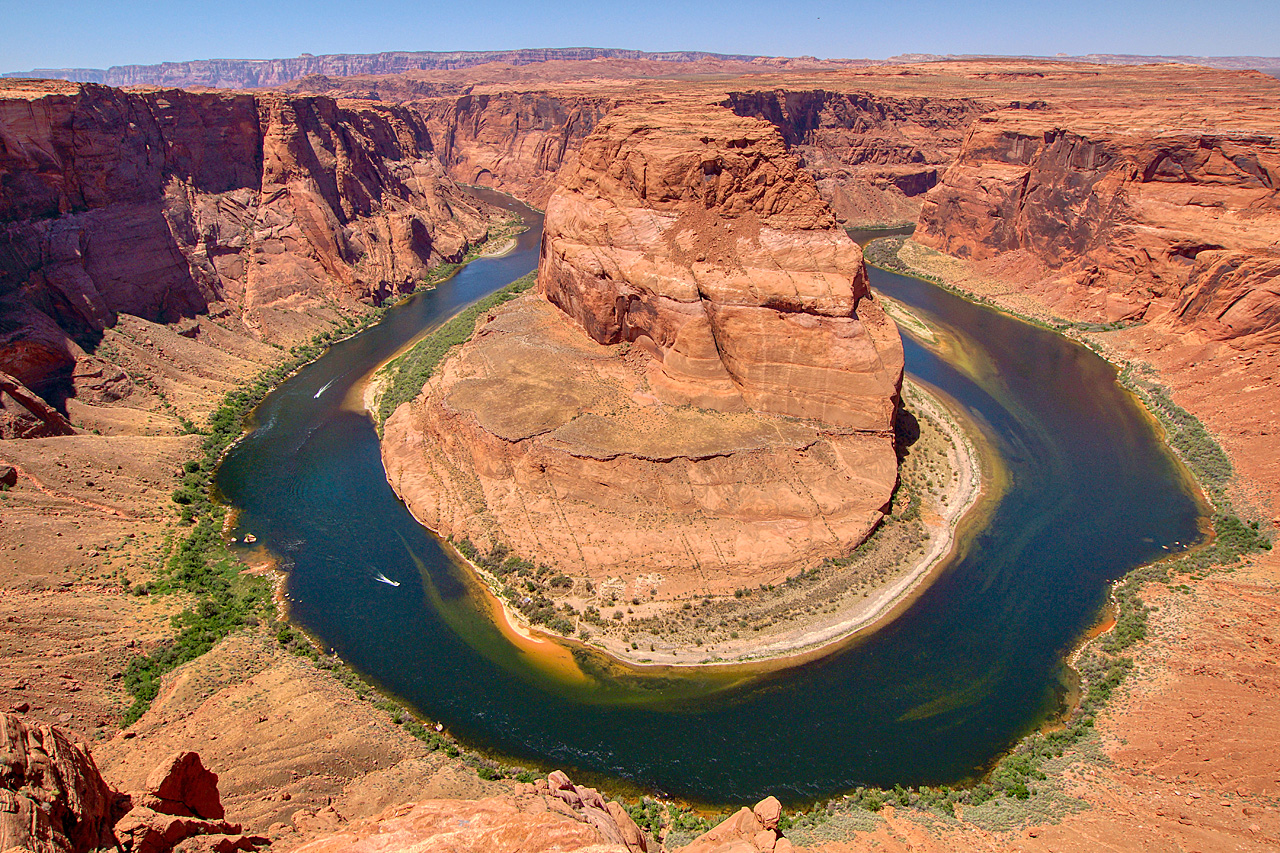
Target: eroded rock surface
{"points": [[52, 797], [1134, 211], [703, 387], [167, 205], [554, 815]]}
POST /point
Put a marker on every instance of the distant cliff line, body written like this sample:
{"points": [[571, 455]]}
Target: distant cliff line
{"points": [[259, 73], [256, 73]]}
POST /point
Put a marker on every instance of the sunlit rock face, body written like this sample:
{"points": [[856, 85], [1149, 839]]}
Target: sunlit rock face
{"points": [[699, 396], [695, 235]]}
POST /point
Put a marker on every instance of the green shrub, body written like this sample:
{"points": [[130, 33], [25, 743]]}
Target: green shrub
{"points": [[409, 372]]}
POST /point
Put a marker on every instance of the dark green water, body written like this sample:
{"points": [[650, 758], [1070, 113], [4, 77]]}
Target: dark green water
{"points": [[974, 664]]}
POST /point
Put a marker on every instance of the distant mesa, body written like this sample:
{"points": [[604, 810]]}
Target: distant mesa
{"points": [[702, 391]]}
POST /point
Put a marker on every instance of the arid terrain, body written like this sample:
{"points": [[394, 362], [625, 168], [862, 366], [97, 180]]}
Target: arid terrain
{"points": [[160, 248]]}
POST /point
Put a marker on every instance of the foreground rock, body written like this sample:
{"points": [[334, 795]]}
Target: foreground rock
{"points": [[555, 815], [52, 797], [746, 831], [702, 395]]}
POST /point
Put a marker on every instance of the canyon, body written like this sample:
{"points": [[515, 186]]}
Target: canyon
{"points": [[162, 247]]}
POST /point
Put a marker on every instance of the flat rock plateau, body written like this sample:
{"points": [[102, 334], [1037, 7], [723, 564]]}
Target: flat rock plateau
{"points": [[160, 247]]}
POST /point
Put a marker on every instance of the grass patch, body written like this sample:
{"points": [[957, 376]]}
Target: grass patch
{"points": [[407, 373]]}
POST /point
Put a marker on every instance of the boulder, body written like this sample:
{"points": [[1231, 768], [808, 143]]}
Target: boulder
{"points": [[182, 786], [746, 831]]}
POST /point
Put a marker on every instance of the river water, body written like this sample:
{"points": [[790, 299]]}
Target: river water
{"points": [[975, 663]]}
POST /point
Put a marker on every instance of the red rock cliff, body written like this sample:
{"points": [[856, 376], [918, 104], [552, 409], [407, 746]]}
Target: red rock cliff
{"points": [[1143, 214], [873, 156], [169, 204], [696, 235]]}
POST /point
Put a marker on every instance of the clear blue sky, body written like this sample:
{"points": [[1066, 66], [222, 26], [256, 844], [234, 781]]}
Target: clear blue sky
{"points": [[72, 33]]}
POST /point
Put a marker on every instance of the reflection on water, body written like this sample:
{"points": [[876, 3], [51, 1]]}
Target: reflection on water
{"points": [[972, 665]]}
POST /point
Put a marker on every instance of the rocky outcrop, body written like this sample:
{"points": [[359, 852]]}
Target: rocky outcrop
{"points": [[52, 797], [747, 831], [555, 815], [23, 414], [168, 204], [182, 786], [702, 398], [1132, 218], [180, 805]]}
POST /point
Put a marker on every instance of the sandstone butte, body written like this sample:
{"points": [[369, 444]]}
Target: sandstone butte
{"points": [[701, 394], [1163, 178]]}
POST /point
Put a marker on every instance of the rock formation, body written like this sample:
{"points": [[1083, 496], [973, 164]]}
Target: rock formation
{"points": [[52, 797], [697, 237], [705, 389], [555, 815], [747, 831], [873, 156], [167, 205], [181, 802], [1133, 214], [23, 414], [54, 800], [513, 141]]}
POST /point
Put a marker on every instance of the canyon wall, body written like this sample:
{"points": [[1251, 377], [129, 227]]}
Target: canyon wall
{"points": [[512, 141], [167, 205], [873, 156], [1124, 217]]}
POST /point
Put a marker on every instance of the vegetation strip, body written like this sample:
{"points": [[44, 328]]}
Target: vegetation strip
{"points": [[407, 373], [227, 600], [1103, 664]]}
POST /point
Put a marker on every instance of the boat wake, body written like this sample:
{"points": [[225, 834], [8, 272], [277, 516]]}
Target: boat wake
{"points": [[381, 578], [324, 387]]}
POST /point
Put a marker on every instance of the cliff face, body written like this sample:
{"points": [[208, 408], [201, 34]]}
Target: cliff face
{"points": [[700, 397], [873, 156], [1131, 219], [513, 141], [254, 73], [696, 235], [168, 204]]}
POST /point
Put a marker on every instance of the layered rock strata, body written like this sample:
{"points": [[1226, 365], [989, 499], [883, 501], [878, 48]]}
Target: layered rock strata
{"points": [[700, 396], [169, 205], [52, 797], [1133, 215], [873, 156]]}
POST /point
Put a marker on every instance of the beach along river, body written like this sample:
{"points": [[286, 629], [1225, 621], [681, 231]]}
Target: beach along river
{"points": [[932, 698]]}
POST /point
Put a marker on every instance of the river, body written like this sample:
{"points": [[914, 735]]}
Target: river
{"points": [[932, 698]]}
